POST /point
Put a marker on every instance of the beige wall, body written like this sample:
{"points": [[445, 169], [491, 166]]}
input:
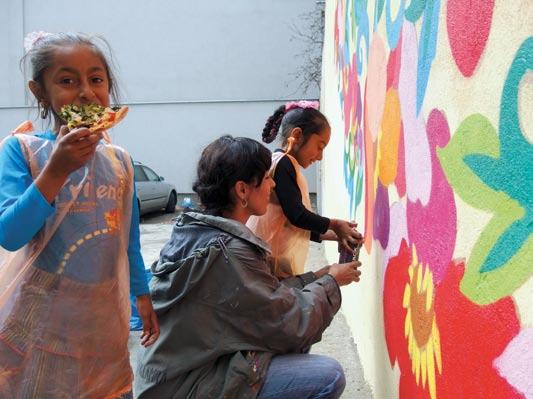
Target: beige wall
{"points": [[431, 104]]}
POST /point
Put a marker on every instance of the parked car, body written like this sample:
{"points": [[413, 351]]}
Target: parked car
{"points": [[153, 193]]}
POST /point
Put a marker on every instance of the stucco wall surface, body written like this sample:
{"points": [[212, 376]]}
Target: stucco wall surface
{"points": [[430, 103]]}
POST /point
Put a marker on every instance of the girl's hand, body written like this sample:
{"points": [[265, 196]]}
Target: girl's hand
{"points": [[73, 150], [345, 273], [150, 325], [347, 235]]}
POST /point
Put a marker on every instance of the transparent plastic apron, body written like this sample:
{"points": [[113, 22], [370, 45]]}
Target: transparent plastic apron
{"points": [[64, 297], [290, 244]]}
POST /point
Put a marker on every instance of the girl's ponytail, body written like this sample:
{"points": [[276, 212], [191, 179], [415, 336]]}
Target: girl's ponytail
{"points": [[301, 114], [272, 125]]}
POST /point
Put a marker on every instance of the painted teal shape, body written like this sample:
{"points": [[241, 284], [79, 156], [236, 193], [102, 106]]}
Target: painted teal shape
{"points": [[512, 172], [491, 171], [394, 28], [378, 10], [363, 33], [426, 49], [352, 18], [415, 10], [358, 194]]}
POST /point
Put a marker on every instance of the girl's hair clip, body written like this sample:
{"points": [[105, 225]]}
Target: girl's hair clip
{"points": [[32, 38], [301, 104]]}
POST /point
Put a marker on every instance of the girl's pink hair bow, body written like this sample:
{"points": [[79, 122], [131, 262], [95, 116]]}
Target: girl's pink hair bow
{"points": [[301, 104]]}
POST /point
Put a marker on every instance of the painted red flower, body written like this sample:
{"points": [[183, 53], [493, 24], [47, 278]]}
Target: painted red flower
{"points": [[444, 343]]}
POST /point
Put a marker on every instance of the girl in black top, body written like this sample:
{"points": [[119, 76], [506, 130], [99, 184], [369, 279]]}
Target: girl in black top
{"points": [[289, 222]]}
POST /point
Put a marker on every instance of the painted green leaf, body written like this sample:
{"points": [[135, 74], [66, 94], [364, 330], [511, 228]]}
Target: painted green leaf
{"points": [[493, 172]]}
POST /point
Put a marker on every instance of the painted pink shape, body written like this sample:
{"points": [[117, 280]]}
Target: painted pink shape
{"points": [[376, 85], [400, 173], [468, 24], [393, 66], [339, 34], [516, 362], [351, 97], [433, 227], [417, 156]]}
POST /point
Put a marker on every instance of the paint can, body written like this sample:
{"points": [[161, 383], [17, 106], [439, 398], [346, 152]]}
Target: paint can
{"points": [[346, 256]]}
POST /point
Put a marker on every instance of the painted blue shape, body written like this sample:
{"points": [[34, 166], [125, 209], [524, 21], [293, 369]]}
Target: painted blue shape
{"points": [[426, 49], [358, 191], [394, 28], [363, 33], [349, 33], [359, 4], [346, 55]]}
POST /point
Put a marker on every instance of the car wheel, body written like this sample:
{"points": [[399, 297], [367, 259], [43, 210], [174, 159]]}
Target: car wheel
{"points": [[171, 204]]}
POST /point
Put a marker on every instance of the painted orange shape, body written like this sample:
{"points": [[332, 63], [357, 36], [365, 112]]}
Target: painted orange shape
{"points": [[388, 145]]}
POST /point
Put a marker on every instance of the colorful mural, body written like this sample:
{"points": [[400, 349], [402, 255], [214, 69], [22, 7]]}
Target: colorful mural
{"points": [[451, 323]]}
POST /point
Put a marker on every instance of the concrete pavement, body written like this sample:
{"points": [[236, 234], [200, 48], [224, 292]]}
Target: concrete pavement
{"points": [[337, 341]]}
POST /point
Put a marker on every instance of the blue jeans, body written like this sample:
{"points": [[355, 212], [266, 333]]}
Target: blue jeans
{"points": [[303, 376]]}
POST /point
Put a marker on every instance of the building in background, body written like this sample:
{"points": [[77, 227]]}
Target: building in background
{"points": [[190, 71], [431, 104]]}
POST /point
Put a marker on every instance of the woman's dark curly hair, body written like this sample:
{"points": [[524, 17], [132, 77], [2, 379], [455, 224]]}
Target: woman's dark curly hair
{"points": [[223, 163], [310, 120]]}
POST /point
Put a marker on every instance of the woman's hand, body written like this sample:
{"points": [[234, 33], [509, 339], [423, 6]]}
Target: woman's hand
{"points": [[345, 273], [72, 150], [346, 233], [150, 325]]}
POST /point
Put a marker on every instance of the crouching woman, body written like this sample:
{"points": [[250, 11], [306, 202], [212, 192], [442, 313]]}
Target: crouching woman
{"points": [[229, 327]]}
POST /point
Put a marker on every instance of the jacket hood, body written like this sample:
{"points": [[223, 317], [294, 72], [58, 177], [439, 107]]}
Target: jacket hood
{"points": [[230, 226]]}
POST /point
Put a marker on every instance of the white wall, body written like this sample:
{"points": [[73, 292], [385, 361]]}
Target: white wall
{"points": [[190, 71]]}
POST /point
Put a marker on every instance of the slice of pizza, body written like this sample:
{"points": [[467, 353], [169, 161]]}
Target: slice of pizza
{"points": [[93, 116]]}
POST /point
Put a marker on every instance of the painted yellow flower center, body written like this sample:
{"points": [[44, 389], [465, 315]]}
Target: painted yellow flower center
{"points": [[421, 329], [421, 319]]}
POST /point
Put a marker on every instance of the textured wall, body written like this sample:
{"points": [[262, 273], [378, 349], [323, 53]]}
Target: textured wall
{"points": [[431, 105]]}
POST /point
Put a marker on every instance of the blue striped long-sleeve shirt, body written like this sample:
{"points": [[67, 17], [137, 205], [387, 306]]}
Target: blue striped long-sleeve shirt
{"points": [[24, 210]]}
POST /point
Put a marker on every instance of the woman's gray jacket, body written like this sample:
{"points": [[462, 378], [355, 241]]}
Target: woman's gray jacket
{"points": [[223, 314]]}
